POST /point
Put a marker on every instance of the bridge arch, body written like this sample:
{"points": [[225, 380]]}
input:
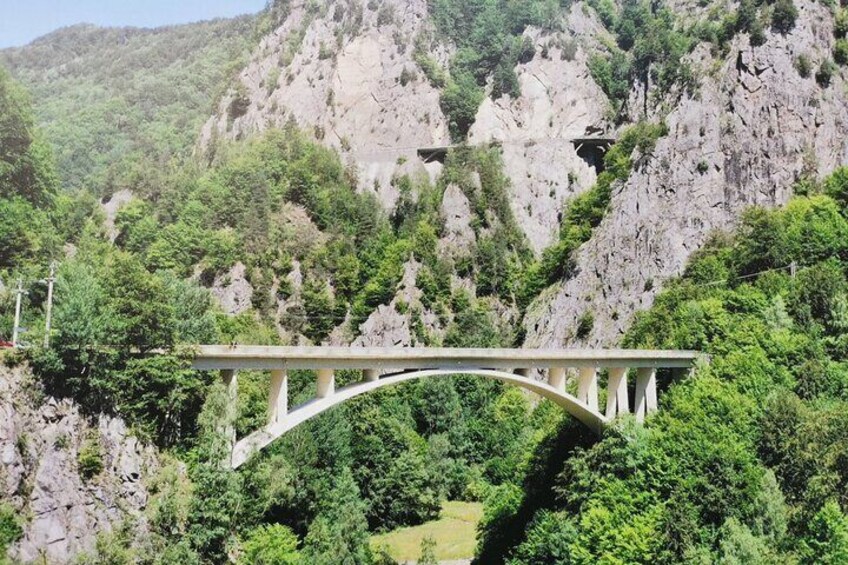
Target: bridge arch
{"points": [[250, 444], [402, 364]]}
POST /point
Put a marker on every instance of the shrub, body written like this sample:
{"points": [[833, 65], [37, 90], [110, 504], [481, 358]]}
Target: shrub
{"points": [[585, 325], [431, 69], [840, 51], [803, 65], [757, 34], [825, 73], [89, 459], [840, 25], [10, 527], [406, 76], [271, 544], [459, 102], [239, 104], [783, 16]]}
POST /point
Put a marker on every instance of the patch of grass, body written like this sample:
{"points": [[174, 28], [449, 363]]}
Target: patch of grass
{"points": [[454, 532]]}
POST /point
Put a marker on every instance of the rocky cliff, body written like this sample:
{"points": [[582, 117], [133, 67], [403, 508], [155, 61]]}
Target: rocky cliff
{"points": [[743, 136], [63, 499], [349, 73], [751, 129]]}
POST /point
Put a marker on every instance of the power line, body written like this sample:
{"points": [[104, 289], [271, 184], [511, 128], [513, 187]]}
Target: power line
{"points": [[791, 267]]}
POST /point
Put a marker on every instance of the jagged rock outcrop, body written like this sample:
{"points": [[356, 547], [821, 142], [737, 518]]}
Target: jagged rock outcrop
{"points": [[110, 210], [233, 291], [559, 102], [752, 128], [348, 73], [344, 70], [40, 441]]}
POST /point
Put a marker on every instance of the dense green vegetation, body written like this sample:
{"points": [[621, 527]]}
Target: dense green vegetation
{"points": [[649, 49], [384, 461], [116, 102], [744, 463]]}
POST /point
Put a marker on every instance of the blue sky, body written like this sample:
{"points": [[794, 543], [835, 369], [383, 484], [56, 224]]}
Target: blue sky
{"points": [[21, 21]]}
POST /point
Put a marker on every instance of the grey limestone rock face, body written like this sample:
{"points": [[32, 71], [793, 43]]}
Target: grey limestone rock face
{"points": [[39, 443], [233, 291], [343, 80], [559, 102], [751, 129], [351, 95]]}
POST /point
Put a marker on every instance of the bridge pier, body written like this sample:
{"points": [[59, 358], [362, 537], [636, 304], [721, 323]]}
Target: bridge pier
{"points": [[556, 378], [646, 392], [587, 387], [326, 383], [230, 380], [278, 396], [371, 375], [617, 401]]}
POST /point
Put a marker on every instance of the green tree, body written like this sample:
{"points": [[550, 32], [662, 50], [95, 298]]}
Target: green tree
{"points": [[783, 16], [26, 167], [460, 100], [428, 552], [339, 533], [212, 517], [828, 541], [270, 544]]}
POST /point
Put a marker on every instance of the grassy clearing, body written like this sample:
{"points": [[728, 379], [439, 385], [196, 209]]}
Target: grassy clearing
{"points": [[455, 533]]}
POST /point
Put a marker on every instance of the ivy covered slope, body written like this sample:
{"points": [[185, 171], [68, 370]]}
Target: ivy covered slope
{"points": [[117, 101], [745, 461]]}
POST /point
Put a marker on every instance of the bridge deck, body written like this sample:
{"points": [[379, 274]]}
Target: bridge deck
{"points": [[214, 357]]}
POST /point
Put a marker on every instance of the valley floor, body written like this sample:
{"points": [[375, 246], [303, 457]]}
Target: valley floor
{"points": [[455, 533]]}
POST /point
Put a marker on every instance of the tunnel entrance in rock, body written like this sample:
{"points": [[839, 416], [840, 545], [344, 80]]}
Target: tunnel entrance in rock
{"points": [[592, 150]]}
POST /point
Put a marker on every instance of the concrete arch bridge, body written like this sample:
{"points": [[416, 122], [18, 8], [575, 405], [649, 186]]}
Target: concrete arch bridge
{"points": [[383, 367]]}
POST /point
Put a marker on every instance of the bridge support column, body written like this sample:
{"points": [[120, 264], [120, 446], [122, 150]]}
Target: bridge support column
{"points": [[371, 375], [278, 396], [617, 392], [230, 379], [326, 383], [587, 387], [646, 393], [556, 378]]}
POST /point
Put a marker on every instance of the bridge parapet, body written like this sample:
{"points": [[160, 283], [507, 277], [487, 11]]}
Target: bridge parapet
{"points": [[386, 366]]}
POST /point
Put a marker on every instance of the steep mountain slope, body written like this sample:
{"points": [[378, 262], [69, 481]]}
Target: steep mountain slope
{"points": [[752, 128], [747, 128], [70, 478], [114, 101], [357, 73]]}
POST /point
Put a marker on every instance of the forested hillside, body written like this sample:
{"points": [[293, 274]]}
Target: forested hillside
{"points": [[117, 102], [301, 212]]}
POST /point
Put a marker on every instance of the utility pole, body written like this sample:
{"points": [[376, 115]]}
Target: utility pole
{"points": [[15, 330], [50, 280]]}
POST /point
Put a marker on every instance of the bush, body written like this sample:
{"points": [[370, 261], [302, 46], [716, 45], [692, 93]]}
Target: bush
{"points": [[825, 73], [89, 459], [840, 51], [271, 544], [10, 527], [783, 16], [459, 102], [840, 25], [585, 325], [803, 65]]}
